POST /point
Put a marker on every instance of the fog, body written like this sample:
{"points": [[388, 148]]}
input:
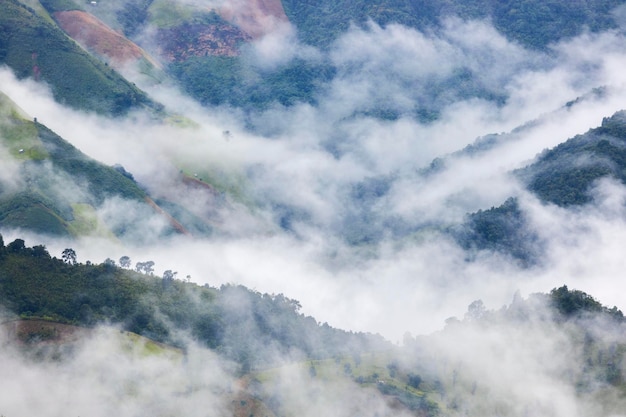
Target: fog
{"points": [[532, 366], [333, 207]]}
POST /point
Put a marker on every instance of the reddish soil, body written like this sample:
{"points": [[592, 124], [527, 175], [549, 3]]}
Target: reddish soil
{"points": [[172, 221], [189, 40], [42, 331], [95, 36], [255, 17], [249, 19]]}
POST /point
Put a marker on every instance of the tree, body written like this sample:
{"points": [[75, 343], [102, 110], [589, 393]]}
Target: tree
{"points": [[168, 278], [69, 256], [40, 251], [145, 267], [414, 380], [476, 310], [109, 263], [148, 267], [169, 275], [16, 246], [125, 262]]}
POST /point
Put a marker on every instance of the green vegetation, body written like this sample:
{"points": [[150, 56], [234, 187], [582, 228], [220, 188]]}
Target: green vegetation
{"points": [[243, 325], [54, 6], [379, 371], [102, 181], [169, 13], [33, 47], [576, 304], [215, 80], [35, 212], [47, 164], [17, 135], [502, 229], [532, 23], [564, 175], [587, 334]]}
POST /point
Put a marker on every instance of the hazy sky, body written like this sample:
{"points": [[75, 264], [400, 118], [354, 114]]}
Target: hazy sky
{"points": [[310, 161]]}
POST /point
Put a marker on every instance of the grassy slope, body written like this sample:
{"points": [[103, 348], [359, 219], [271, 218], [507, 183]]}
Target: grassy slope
{"points": [[33, 47], [33, 204]]}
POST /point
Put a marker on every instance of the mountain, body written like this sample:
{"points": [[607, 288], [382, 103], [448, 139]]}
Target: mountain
{"points": [[204, 47], [57, 190], [563, 176], [430, 376], [331, 178], [34, 47], [248, 327], [531, 23]]}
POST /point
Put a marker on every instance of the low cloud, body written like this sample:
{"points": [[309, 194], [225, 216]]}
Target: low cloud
{"points": [[296, 181]]}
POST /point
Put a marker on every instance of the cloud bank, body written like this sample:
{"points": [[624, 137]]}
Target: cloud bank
{"points": [[338, 208]]}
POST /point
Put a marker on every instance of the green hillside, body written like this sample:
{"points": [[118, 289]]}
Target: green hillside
{"points": [[532, 23], [54, 182], [243, 325], [565, 338], [269, 338], [34, 47], [563, 176]]}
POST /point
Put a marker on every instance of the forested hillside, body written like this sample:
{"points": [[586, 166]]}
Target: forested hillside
{"points": [[564, 176], [531, 23], [245, 326], [35, 47]]}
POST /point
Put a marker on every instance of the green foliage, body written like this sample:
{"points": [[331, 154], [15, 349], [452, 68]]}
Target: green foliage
{"points": [[33, 47], [215, 80], [243, 325], [62, 5], [103, 181], [564, 175], [576, 303], [533, 23], [503, 229], [32, 211], [133, 16], [410, 400], [168, 13], [48, 164]]}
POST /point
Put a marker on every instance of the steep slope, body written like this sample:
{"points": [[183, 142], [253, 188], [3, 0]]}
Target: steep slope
{"points": [[95, 36], [33, 47], [254, 17], [53, 188], [250, 328], [563, 176], [550, 352], [532, 23], [545, 355]]}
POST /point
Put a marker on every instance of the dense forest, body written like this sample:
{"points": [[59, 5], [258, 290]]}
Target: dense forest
{"points": [[246, 326]]}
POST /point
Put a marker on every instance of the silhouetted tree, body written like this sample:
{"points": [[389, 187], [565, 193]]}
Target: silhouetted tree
{"points": [[39, 251], [16, 246], [69, 256], [145, 267], [109, 263], [168, 278], [148, 267], [125, 262]]}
